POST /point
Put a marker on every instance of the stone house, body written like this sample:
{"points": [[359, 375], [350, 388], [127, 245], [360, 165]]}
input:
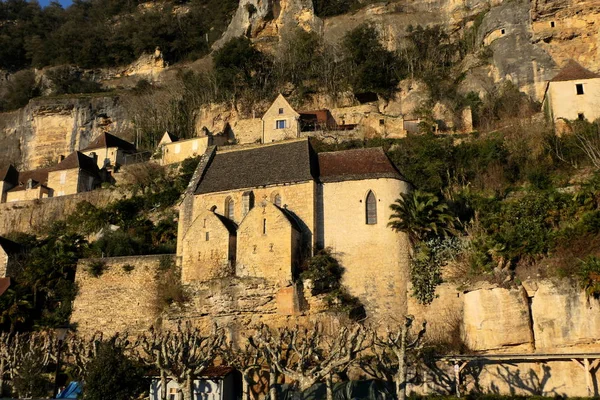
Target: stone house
{"points": [[574, 93], [174, 150], [281, 201], [109, 151], [25, 185], [280, 122], [9, 251], [75, 174]]}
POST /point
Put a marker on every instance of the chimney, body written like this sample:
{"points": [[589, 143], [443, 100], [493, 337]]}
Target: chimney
{"points": [[94, 156]]}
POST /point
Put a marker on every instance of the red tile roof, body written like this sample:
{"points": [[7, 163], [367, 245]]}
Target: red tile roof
{"points": [[356, 164], [572, 71]]}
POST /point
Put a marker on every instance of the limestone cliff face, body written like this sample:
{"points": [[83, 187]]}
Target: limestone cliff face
{"points": [[49, 127], [261, 19]]}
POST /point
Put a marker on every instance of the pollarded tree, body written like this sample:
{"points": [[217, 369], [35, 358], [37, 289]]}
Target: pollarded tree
{"points": [[308, 355], [181, 354], [421, 216], [389, 352], [28, 357], [247, 358]]}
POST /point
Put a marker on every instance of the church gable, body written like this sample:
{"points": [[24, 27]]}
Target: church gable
{"points": [[208, 248], [268, 244]]}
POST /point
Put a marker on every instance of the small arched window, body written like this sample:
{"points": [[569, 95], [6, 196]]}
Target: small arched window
{"points": [[247, 202], [277, 199], [371, 209], [229, 207]]}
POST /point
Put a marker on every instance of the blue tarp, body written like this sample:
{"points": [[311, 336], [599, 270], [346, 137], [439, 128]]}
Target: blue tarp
{"points": [[72, 391]]}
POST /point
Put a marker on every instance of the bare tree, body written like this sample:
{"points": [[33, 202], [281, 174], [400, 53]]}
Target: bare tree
{"points": [[28, 356], [389, 354], [6, 343], [246, 358], [308, 355], [181, 354]]}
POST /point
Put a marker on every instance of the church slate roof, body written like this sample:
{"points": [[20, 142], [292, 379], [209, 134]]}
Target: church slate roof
{"points": [[573, 71], [106, 140], [356, 164], [286, 162]]}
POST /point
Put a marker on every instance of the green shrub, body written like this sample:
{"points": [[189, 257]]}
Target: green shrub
{"points": [[96, 268], [111, 375], [128, 268], [589, 276]]}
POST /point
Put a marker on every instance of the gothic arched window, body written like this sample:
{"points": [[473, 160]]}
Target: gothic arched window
{"points": [[371, 209], [277, 199], [229, 208], [247, 202]]}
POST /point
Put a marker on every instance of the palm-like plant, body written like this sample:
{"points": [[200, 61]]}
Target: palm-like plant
{"points": [[421, 216]]}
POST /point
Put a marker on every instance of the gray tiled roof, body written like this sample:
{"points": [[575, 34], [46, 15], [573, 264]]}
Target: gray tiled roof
{"points": [[266, 165]]}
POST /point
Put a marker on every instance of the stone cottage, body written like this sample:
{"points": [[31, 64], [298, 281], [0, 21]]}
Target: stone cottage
{"points": [[109, 151], [75, 174], [174, 150], [25, 185], [259, 212], [574, 93]]}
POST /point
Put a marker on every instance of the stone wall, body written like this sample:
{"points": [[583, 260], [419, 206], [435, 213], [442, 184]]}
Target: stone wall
{"points": [[32, 216], [123, 298], [375, 258], [64, 182], [178, 151], [3, 264], [538, 317]]}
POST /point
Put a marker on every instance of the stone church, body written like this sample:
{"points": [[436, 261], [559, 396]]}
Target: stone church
{"points": [[261, 211]]}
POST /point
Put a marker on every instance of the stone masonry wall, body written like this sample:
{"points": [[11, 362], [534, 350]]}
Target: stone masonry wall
{"points": [[31, 216], [119, 299]]}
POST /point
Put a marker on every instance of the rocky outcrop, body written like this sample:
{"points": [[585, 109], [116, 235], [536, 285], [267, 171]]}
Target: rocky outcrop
{"points": [[47, 128], [260, 19]]}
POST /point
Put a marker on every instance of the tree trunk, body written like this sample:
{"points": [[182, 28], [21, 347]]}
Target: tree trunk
{"points": [[401, 376], [2, 368], [246, 385], [329, 386], [272, 383], [188, 388], [163, 385]]}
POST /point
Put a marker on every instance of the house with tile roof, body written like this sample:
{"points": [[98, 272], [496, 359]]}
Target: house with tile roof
{"points": [[281, 202], [109, 151], [172, 149], [574, 93], [75, 174], [26, 185]]}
